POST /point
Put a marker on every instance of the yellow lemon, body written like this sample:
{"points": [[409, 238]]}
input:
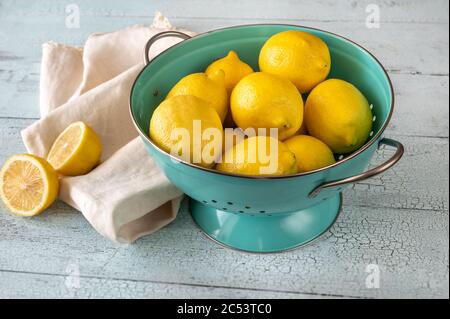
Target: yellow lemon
{"points": [[262, 100], [229, 122], [28, 184], [76, 151], [338, 114], [298, 56], [233, 67], [302, 130], [259, 155], [310, 153], [178, 126], [210, 88], [232, 136]]}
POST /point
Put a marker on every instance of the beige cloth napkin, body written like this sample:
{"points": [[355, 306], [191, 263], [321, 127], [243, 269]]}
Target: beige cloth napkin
{"points": [[126, 196]]}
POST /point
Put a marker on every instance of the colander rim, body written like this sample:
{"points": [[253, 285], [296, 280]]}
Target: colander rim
{"points": [[367, 145]]}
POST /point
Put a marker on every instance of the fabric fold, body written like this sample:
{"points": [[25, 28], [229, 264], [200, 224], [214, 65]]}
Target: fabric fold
{"points": [[61, 75], [126, 196]]}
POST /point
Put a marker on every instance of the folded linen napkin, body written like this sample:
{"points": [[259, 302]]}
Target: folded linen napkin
{"points": [[126, 196]]}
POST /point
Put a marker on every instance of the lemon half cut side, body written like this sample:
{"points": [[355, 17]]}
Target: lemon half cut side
{"points": [[28, 184], [76, 150]]}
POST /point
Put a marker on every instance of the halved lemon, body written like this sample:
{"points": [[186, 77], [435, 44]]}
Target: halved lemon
{"points": [[28, 184], [76, 150]]}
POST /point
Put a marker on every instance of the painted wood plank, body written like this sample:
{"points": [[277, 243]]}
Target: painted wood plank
{"points": [[396, 44], [410, 244], [323, 10], [421, 105], [419, 181], [398, 221], [409, 247], [417, 97], [31, 285]]}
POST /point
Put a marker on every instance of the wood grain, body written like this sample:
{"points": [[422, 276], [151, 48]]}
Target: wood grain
{"points": [[412, 11], [31, 285], [417, 182], [393, 220], [398, 221], [401, 242], [19, 99]]}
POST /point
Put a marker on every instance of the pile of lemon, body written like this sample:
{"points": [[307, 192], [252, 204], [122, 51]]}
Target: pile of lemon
{"points": [[29, 184], [335, 119]]}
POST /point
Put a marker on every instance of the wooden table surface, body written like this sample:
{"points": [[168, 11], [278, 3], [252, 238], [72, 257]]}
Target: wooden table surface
{"points": [[397, 221]]}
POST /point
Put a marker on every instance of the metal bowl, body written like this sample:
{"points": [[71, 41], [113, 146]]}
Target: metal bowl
{"points": [[253, 213]]}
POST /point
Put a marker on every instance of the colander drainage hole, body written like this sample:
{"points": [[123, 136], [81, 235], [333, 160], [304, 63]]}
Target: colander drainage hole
{"points": [[229, 203], [224, 208], [374, 118], [262, 211], [214, 201], [205, 202], [241, 211], [247, 207]]}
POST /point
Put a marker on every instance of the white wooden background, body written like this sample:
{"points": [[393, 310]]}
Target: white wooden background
{"points": [[398, 221]]}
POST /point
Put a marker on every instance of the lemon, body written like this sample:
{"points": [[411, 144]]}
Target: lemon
{"points": [[210, 88], [76, 150], [28, 184], [262, 100], [310, 153], [229, 122], [302, 130], [298, 56], [259, 155], [338, 114], [177, 115], [233, 67]]}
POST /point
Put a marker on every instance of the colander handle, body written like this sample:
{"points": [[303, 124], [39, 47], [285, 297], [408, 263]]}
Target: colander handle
{"points": [[370, 173], [159, 36]]}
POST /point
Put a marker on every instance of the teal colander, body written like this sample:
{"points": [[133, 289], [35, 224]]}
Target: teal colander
{"points": [[262, 214]]}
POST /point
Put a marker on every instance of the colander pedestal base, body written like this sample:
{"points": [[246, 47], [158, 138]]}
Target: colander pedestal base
{"points": [[264, 233]]}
